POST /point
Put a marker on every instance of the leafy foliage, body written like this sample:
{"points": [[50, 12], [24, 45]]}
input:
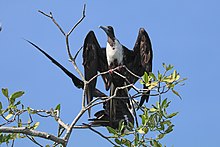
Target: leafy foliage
{"points": [[152, 121], [152, 124], [11, 114]]}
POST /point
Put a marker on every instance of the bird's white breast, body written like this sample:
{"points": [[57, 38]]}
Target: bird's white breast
{"points": [[115, 52]]}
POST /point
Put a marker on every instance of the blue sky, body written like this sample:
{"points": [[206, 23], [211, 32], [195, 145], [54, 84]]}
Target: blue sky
{"points": [[183, 33]]}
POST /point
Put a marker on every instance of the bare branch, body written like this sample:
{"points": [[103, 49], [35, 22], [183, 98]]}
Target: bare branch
{"points": [[52, 18], [79, 21], [31, 132]]}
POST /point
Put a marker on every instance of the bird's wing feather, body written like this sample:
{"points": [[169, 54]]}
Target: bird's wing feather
{"points": [[143, 58], [94, 60], [76, 81]]}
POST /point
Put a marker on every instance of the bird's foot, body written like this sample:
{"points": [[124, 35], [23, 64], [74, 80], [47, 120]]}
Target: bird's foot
{"points": [[110, 71]]}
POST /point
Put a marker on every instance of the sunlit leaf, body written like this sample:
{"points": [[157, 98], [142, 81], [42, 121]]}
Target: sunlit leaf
{"points": [[141, 131], [121, 126], [36, 125], [174, 74], [141, 81], [177, 77], [9, 116], [152, 85], [153, 110]]}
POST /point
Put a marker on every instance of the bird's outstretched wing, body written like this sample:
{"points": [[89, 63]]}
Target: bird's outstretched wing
{"points": [[94, 60], [142, 62], [76, 81]]}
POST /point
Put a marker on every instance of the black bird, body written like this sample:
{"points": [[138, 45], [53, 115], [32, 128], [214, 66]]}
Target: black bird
{"points": [[97, 59]]}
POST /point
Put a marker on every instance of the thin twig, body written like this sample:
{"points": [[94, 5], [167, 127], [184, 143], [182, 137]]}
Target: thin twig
{"points": [[52, 18], [33, 140], [79, 21], [100, 134]]}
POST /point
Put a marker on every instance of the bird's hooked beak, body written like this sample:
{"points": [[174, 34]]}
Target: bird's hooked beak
{"points": [[109, 31], [104, 28]]}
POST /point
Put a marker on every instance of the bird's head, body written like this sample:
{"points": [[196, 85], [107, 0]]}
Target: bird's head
{"points": [[109, 31]]}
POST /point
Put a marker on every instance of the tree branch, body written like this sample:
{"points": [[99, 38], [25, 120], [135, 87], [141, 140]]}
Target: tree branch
{"points": [[31, 132]]}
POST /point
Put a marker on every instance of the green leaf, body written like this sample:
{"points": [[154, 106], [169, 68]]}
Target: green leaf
{"points": [[164, 102], [141, 131], [152, 85], [58, 107], [111, 130], [136, 139], [174, 74], [144, 120], [0, 105], [16, 95], [29, 110], [152, 76], [160, 136], [169, 129], [169, 67], [176, 93], [36, 125], [156, 143], [117, 141], [172, 115], [153, 110], [159, 76], [126, 142], [167, 122], [5, 92], [145, 77], [141, 81], [18, 103], [9, 116]]}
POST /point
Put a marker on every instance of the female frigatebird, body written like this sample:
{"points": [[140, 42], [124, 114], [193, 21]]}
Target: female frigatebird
{"points": [[97, 59]]}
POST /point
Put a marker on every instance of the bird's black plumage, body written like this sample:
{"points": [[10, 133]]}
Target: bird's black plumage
{"points": [[97, 59], [76, 81]]}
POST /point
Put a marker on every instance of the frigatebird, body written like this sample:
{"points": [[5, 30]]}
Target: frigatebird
{"points": [[97, 59]]}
